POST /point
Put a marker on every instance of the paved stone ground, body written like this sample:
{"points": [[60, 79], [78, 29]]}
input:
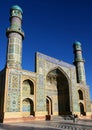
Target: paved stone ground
{"points": [[49, 125]]}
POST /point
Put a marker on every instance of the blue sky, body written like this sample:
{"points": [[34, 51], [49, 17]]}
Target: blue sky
{"points": [[51, 27]]}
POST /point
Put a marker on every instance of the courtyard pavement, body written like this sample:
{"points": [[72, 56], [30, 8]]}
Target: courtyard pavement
{"points": [[49, 125]]}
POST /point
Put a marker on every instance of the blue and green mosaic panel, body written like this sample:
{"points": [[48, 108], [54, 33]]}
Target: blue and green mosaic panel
{"points": [[41, 100], [13, 95], [40, 94]]}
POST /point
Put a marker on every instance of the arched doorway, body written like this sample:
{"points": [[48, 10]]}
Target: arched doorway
{"points": [[82, 109], [58, 82], [49, 106], [28, 106]]}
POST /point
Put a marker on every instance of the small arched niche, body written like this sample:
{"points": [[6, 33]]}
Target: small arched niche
{"points": [[49, 105], [28, 106], [27, 88], [82, 112], [80, 94]]}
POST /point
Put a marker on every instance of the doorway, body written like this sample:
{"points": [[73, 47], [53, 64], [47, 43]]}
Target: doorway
{"points": [[49, 106]]}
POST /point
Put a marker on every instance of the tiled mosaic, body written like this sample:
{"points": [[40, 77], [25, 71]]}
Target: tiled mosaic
{"points": [[13, 95]]}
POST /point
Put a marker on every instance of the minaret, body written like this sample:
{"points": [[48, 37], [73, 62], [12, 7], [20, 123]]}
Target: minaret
{"points": [[79, 63], [15, 36]]}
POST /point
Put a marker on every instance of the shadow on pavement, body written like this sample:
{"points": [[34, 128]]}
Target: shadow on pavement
{"points": [[14, 127]]}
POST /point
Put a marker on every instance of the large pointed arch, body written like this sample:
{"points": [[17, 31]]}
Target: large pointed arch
{"points": [[56, 77], [59, 68]]}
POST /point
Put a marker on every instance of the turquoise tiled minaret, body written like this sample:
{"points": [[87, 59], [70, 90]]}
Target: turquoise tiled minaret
{"points": [[79, 62], [15, 36]]}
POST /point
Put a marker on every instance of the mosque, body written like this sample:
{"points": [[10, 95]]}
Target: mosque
{"points": [[56, 88]]}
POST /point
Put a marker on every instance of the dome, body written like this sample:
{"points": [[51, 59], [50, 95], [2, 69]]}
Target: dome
{"points": [[17, 8], [77, 43]]}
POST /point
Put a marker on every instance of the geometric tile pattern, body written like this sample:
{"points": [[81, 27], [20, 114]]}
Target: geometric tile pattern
{"points": [[13, 94]]}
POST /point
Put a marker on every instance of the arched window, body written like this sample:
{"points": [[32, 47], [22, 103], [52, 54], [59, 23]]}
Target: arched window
{"points": [[80, 94]]}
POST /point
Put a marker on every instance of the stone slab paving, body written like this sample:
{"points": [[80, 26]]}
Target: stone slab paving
{"points": [[49, 125]]}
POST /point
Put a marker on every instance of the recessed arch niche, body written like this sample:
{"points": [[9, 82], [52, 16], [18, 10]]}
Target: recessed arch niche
{"points": [[80, 94], [82, 108], [28, 106], [49, 105], [27, 87], [58, 83]]}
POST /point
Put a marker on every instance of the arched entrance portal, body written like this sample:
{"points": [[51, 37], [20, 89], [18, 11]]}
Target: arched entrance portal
{"points": [[58, 83], [49, 106]]}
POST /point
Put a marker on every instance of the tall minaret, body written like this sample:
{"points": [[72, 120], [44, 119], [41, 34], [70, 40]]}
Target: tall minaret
{"points": [[15, 36], [79, 63]]}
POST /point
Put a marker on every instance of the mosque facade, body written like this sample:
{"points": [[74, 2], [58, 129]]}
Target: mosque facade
{"points": [[56, 88]]}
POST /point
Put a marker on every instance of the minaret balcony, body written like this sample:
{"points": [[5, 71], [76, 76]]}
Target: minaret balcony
{"points": [[17, 30], [79, 60]]}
